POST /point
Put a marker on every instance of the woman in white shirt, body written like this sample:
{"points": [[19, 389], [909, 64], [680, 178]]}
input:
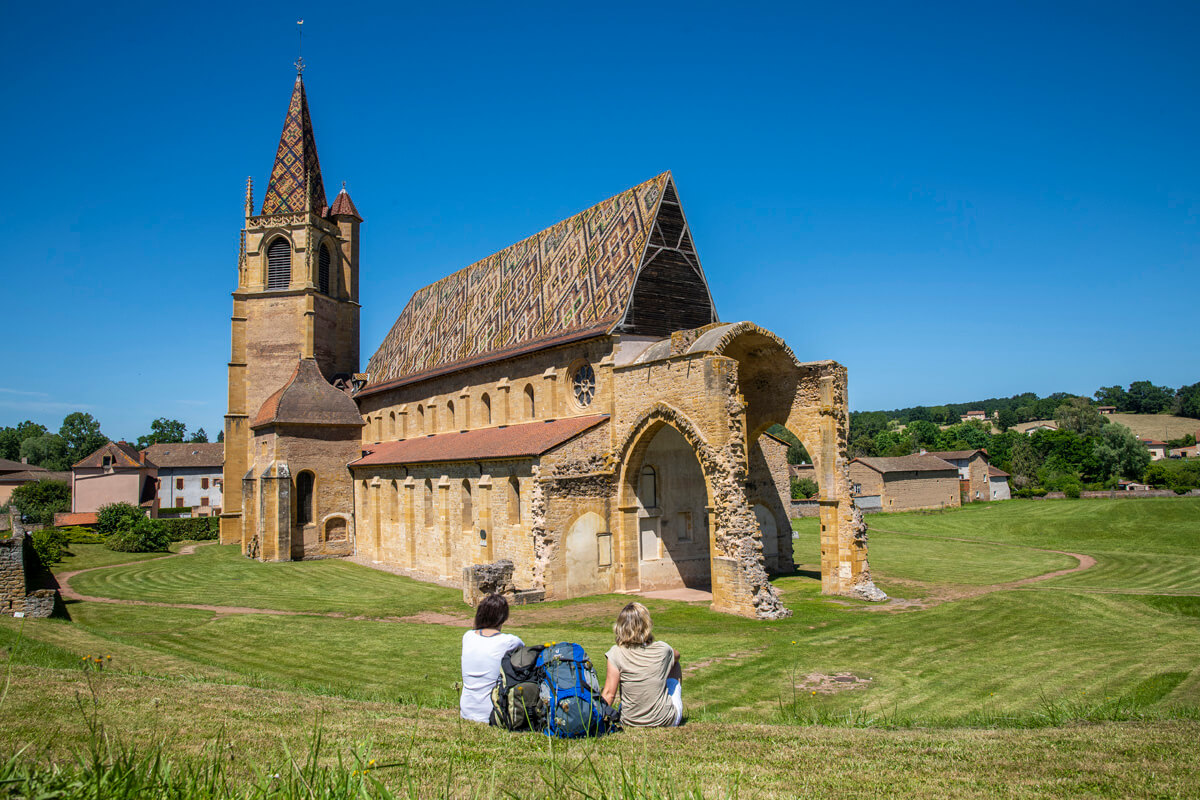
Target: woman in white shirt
{"points": [[483, 647]]}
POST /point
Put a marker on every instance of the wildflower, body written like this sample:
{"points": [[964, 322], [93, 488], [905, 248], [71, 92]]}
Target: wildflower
{"points": [[793, 642], [371, 762], [108, 658], [814, 691]]}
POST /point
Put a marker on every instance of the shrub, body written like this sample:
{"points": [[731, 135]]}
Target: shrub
{"points": [[196, 528], [1071, 489], [803, 488], [1031, 491], [117, 518], [146, 536], [48, 544], [40, 500], [174, 511], [74, 534]]}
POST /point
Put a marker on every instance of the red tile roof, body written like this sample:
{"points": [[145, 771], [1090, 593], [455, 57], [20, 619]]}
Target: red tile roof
{"points": [[953, 455], [186, 454], [124, 456], [915, 463], [995, 472], [76, 518], [16, 466], [343, 205], [485, 444]]}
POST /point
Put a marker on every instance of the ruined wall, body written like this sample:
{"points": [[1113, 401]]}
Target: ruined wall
{"points": [[770, 485], [26, 586]]}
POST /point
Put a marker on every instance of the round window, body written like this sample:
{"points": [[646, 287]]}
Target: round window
{"points": [[584, 384]]}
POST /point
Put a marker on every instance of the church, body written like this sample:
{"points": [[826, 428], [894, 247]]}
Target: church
{"points": [[572, 404]]}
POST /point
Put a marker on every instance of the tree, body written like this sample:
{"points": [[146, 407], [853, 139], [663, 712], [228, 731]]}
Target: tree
{"points": [[117, 518], [163, 431], [199, 436], [1080, 416], [48, 450], [804, 488], [1187, 401], [1120, 454], [1112, 396], [40, 500], [796, 454], [82, 435], [1006, 419], [11, 438], [1025, 462], [923, 433], [1146, 398], [220, 436]]}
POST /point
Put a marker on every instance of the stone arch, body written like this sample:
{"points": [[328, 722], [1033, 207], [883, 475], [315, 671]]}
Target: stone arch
{"points": [[335, 528], [278, 248]]}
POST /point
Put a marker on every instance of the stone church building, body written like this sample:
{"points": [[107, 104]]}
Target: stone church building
{"points": [[572, 404]]}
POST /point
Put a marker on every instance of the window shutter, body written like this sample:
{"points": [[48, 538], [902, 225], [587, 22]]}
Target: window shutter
{"points": [[279, 264], [323, 270]]}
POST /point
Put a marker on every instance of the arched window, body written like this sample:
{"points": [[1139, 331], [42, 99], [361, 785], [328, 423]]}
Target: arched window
{"points": [[648, 487], [391, 424], [429, 523], [468, 507], [304, 497], [530, 404], [420, 419], [485, 409], [450, 415], [514, 501], [323, 261], [279, 264]]}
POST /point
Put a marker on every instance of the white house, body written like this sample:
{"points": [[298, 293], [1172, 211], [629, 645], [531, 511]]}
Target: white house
{"points": [[189, 475]]}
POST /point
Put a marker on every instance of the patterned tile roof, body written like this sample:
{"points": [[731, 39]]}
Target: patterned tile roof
{"points": [[575, 275], [186, 454], [513, 441], [296, 163]]}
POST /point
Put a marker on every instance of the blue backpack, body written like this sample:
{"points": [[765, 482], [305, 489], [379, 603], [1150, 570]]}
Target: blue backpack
{"points": [[571, 694]]}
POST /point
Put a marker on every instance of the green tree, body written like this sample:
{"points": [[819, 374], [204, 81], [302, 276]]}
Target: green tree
{"points": [[40, 500], [1006, 419], [199, 436], [1119, 453], [1024, 462], [163, 431], [117, 518], [11, 438], [48, 450], [82, 435], [1112, 396], [804, 488], [1146, 398], [1080, 416], [221, 436], [144, 536], [796, 453], [1187, 401]]}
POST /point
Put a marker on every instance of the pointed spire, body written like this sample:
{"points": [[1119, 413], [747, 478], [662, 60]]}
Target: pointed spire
{"points": [[296, 176], [249, 197], [344, 206]]}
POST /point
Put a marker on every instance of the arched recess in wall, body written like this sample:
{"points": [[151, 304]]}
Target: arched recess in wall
{"points": [[530, 402], [420, 431], [468, 507], [780, 469], [324, 261], [450, 424], [514, 501], [336, 529], [279, 263], [391, 424], [427, 499], [305, 483], [485, 410]]}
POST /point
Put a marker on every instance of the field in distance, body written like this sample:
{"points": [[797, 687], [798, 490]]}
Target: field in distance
{"points": [[1163, 427]]}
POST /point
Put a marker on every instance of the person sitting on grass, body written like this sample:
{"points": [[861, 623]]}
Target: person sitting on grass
{"points": [[646, 672], [483, 647]]}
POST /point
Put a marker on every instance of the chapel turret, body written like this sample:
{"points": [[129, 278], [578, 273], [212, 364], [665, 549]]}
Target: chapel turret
{"points": [[297, 291]]}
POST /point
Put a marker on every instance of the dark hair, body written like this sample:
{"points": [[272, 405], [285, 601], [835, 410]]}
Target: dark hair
{"points": [[491, 613]]}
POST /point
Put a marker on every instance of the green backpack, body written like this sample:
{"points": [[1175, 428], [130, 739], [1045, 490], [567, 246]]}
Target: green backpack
{"points": [[517, 704]]}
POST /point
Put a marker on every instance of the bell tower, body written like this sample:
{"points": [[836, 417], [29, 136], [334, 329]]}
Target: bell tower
{"points": [[296, 296]]}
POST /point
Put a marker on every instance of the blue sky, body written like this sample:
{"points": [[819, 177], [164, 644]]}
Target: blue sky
{"points": [[956, 201]]}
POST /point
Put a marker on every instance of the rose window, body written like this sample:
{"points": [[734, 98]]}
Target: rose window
{"points": [[584, 384]]}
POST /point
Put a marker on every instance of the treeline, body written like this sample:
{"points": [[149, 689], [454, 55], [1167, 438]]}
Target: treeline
{"points": [[78, 437], [1141, 397]]}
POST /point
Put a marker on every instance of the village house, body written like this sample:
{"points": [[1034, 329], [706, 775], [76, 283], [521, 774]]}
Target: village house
{"points": [[1107, 411], [189, 475], [115, 473], [571, 409], [18, 473], [972, 466], [1158, 450], [973, 415], [904, 483]]}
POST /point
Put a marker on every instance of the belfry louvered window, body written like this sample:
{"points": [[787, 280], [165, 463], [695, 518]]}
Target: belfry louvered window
{"points": [[279, 264], [323, 270]]}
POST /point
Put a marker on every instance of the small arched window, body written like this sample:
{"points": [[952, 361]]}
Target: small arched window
{"points": [[304, 497], [420, 419], [514, 501], [648, 487], [485, 409], [391, 424], [323, 262], [450, 415], [530, 403], [468, 507], [428, 503], [279, 264]]}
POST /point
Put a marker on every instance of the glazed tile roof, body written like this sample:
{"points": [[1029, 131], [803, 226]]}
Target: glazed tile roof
{"points": [[124, 456], [577, 275], [486, 444], [917, 463], [296, 163], [342, 204], [186, 454], [308, 399]]}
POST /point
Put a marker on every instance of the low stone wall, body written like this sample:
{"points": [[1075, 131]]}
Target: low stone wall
{"points": [[804, 508], [27, 588], [1117, 494]]}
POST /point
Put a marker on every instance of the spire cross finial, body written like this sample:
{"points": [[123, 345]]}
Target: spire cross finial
{"points": [[299, 47]]}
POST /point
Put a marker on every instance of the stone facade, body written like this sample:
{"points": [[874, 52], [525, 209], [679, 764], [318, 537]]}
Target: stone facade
{"points": [[905, 483]]}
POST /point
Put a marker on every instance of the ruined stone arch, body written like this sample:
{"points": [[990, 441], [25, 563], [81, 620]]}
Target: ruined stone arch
{"points": [[632, 449]]}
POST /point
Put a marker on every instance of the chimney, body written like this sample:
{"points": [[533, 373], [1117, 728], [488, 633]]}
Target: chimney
{"points": [[24, 459]]}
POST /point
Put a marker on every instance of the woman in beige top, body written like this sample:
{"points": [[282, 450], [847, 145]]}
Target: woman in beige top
{"points": [[646, 672]]}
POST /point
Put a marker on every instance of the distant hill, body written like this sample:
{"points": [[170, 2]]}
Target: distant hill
{"points": [[1163, 427]]}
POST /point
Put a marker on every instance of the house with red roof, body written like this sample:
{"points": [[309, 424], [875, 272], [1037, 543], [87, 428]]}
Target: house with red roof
{"points": [[116, 473]]}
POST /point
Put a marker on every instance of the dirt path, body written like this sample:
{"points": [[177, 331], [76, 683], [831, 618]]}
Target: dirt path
{"points": [[942, 594]]}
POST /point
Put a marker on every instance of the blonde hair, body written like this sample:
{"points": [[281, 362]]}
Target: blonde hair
{"points": [[633, 627]]}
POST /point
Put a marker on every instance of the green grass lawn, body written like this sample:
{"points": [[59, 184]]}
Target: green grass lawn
{"points": [[86, 556], [1120, 641]]}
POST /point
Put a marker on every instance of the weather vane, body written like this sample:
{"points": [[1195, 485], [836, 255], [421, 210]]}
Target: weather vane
{"points": [[300, 47]]}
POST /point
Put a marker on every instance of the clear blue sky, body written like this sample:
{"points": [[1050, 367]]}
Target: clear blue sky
{"points": [[954, 201]]}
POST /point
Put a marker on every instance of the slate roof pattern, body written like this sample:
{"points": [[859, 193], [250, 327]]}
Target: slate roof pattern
{"points": [[124, 456], [186, 454], [484, 444], [308, 399], [916, 463], [577, 274]]}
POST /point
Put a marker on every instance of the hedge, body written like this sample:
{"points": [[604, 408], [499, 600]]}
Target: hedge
{"points": [[194, 528]]}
